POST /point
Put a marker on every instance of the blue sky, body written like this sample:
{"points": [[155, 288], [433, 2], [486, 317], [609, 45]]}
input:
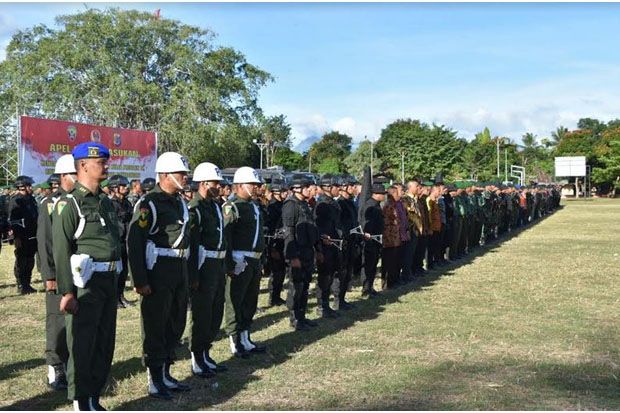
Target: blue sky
{"points": [[515, 68]]}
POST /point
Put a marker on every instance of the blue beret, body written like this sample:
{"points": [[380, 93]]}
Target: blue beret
{"points": [[92, 150]]}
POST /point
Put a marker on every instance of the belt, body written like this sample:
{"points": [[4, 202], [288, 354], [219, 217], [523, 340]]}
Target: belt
{"points": [[215, 254], [249, 254], [105, 266], [172, 252]]}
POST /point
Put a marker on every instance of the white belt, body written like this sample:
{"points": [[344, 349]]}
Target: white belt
{"points": [[172, 252], [103, 266], [215, 254], [249, 254]]}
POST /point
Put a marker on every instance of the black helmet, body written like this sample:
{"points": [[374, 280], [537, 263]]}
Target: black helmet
{"points": [[349, 180], [300, 182], [148, 184], [330, 180], [117, 180], [192, 186], [23, 180], [54, 179]]}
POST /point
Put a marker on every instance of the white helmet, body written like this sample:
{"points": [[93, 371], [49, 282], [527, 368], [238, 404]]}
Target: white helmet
{"points": [[65, 165], [207, 171], [246, 175], [170, 162]]}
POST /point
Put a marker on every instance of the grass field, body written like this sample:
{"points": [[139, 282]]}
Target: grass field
{"points": [[530, 323]]}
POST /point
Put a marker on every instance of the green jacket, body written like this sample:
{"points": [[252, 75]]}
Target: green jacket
{"points": [[100, 237], [244, 228], [163, 231]]}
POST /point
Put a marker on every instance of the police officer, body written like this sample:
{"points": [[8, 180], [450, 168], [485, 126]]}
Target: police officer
{"points": [[87, 254], [301, 241], [352, 242], [119, 187], [327, 218], [147, 185], [56, 352], [372, 224], [22, 216], [207, 275], [158, 244], [245, 244], [135, 193], [275, 245]]}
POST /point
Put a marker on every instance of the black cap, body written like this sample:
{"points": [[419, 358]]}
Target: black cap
{"points": [[378, 188], [53, 179], [148, 184], [117, 180], [23, 180]]}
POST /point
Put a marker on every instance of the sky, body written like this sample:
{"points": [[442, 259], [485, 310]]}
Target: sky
{"points": [[356, 67]]}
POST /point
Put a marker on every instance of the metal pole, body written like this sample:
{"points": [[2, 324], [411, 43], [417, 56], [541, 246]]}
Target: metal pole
{"points": [[19, 139], [371, 150], [497, 141], [506, 164]]}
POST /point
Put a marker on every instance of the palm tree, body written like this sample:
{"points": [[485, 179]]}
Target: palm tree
{"points": [[558, 135]]}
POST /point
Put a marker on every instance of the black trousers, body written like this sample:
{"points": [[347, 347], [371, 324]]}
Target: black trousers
{"points": [[277, 269], [25, 250], [391, 264], [420, 252], [298, 285], [326, 271], [350, 256], [372, 254]]}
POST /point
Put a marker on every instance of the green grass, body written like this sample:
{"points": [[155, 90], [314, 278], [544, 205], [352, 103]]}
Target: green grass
{"points": [[530, 323]]}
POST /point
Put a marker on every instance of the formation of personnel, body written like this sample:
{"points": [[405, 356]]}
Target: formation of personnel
{"points": [[204, 244]]}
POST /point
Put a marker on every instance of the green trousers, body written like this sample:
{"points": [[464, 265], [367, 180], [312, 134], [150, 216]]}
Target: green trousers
{"points": [[164, 311], [207, 305], [56, 351], [242, 298], [457, 228], [91, 334]]}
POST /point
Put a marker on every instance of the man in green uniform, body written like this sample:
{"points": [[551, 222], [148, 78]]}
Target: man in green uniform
{"points": [[87, 257], [56, 352], [207, 275], [158, 243], [245, 244]]}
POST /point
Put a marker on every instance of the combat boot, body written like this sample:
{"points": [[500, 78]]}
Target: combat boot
{"points": [[249, 345], [218, 368], [172, 383], [236, 347], [157, 388], [199, 367], [56, 377], [83, 404]]}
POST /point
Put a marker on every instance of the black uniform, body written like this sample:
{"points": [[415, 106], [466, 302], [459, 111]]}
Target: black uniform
{"points": [[327, 218], [275, 248], [301, 241], [56, 352], [24, 207], [352, 248], [124, 211], [372, 224]]}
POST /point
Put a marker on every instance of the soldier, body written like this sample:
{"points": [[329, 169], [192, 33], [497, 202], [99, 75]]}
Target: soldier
{"points": [[158, 244], [4, 223], [22, 216], [135, 193], [372, 224], [245, 244], [302, 239], [118, 185], [327, 217], [351, 250], [275, 245], [414, 219], [148, 184], [207, 275], [87, 254], [56, 352]]}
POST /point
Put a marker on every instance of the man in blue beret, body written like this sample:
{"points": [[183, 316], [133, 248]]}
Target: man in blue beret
{"points": [[87, 254]]}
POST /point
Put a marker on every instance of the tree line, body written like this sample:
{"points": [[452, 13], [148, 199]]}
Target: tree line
{"points": [[132, 69]]}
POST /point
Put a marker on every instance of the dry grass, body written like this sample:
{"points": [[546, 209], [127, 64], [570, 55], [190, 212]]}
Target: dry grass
{"points": [[532, 323]]}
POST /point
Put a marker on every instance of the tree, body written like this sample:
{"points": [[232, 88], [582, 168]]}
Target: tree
{"points": [[556, 137], [607, 173], [428, 149], [289, 159], [330, 152], [128, 69], [360, 158], [595, 126], [276, 133]]}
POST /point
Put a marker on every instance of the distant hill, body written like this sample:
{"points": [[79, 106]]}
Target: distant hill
{"points": [[304, 145]]}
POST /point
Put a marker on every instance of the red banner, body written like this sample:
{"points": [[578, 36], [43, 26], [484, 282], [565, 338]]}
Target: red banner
{"points": [[43, 141]]}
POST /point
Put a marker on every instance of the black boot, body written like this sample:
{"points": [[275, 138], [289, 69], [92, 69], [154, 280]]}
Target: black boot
{"points": [[172, 383], [83, 404], [250, 345], [236, 347], [157, 388], [199, 367], [218, 368], [57, 379], [95, 403]]}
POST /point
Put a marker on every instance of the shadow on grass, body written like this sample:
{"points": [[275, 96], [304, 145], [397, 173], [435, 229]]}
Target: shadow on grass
{"points": [[11, 370], [50, 400]]}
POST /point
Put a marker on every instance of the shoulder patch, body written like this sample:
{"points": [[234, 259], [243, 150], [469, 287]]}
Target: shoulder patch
{"points": [[143, 218], [50, 208], [60, 206]]}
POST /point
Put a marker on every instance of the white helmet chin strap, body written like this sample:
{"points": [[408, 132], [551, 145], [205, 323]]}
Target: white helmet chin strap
{"points": [[246, 190], [72, 178], [176, 182]]}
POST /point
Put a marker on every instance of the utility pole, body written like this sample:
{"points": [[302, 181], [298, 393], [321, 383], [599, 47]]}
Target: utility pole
{"points": [[506, 164], [497, 142], [261, 146]]}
